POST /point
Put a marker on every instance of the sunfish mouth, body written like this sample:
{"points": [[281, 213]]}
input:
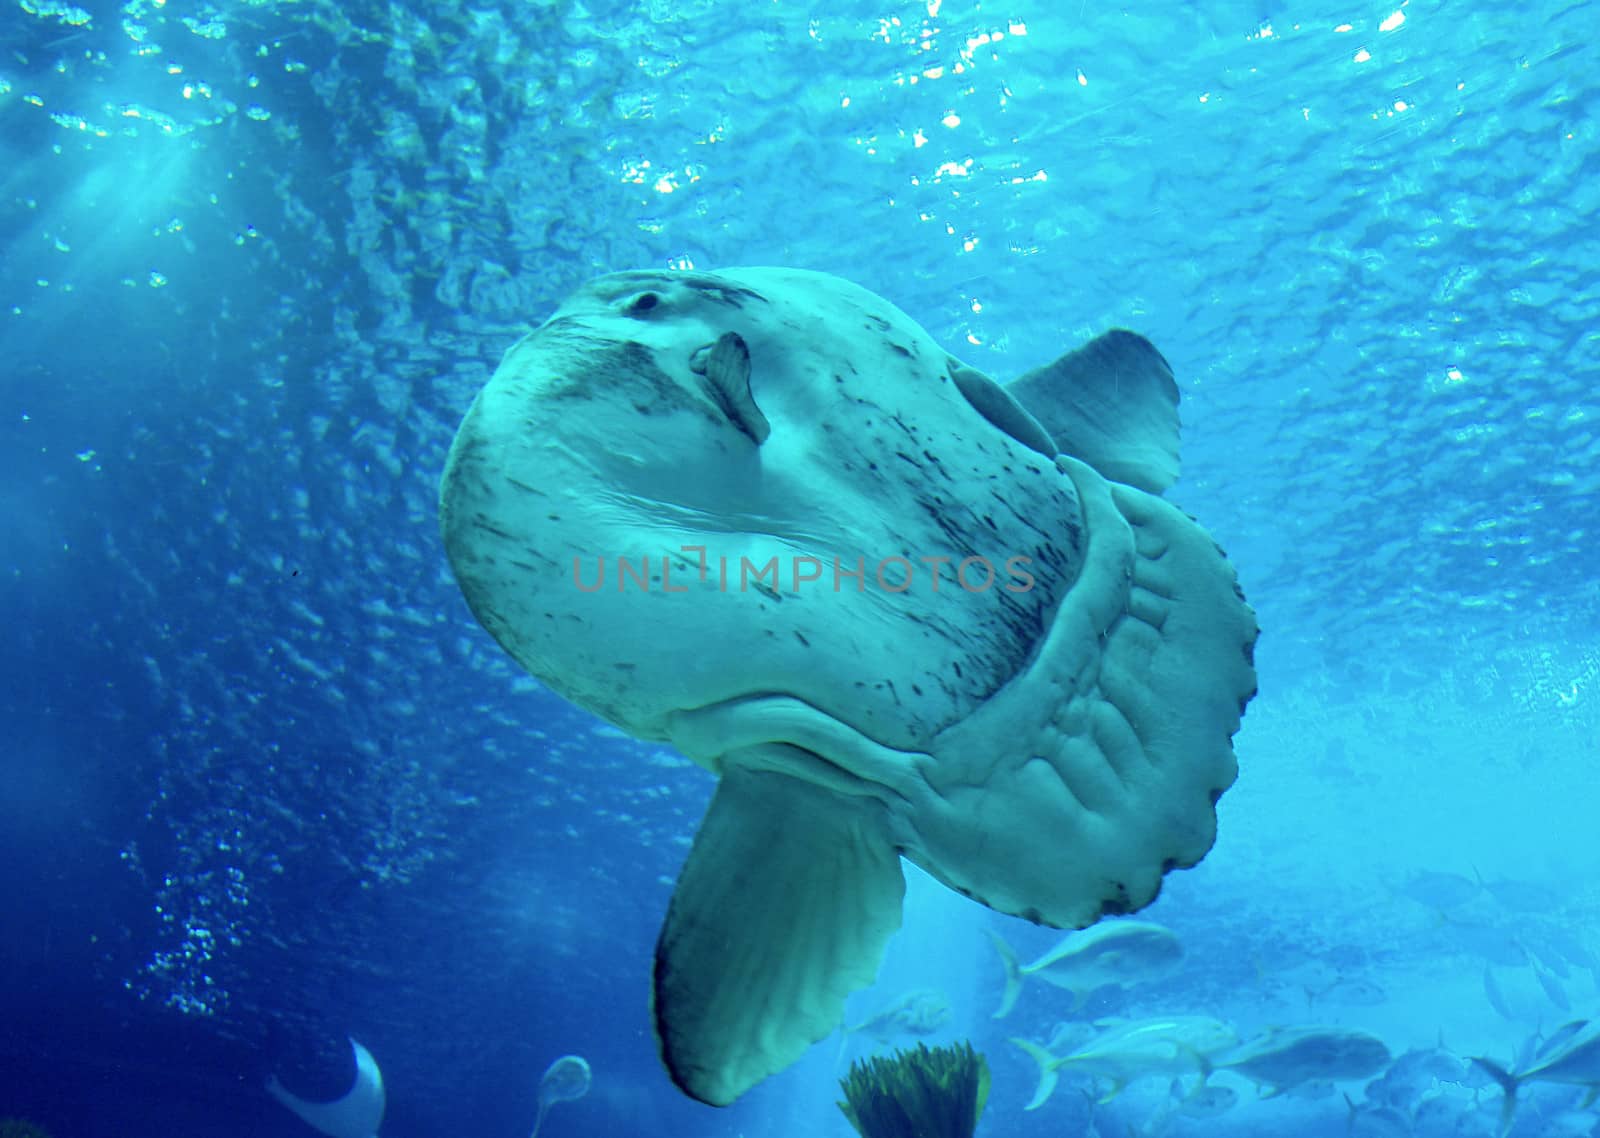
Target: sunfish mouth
{"points": [[780, 733]]}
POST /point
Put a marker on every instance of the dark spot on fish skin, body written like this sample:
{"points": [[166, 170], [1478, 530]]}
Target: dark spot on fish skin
{"points": [[804, 642], [906, 352], [1114, 907]]}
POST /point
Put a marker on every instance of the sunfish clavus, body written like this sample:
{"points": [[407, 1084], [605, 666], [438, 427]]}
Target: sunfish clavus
{"points": [[899, 609]]}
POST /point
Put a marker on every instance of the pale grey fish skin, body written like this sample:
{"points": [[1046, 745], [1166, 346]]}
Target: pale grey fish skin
{"points": [[1440, 890], [1496, 995], [1524, 896], [1378, 1122], [1112, 952], [1201, 1102], [1351, 991], [1571, 1056], [1417, 1073], [1282, 1058], [1494, 943], [1551, 985], [919, 1012], [1209, 1100], [1068, 1035], [1456, 1115], [1563, 950], [1170, 1046]]}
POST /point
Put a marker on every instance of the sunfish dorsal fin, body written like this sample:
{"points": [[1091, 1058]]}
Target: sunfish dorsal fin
{"points": [[1113, 404]]}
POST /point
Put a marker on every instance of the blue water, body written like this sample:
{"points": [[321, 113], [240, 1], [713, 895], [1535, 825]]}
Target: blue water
{"points": [[266, 783]]}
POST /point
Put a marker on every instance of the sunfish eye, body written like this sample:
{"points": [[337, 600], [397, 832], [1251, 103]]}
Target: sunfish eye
{"points": [[643, 303]]}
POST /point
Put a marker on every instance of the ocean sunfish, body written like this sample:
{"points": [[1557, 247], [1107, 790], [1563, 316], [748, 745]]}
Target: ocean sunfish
{"points": [[898, 608]]}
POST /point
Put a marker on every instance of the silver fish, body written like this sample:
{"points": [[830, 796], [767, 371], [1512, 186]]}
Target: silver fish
{"points": [[1121, 952], [1169, 1047], [1283, 1058], [1571, 1057]]}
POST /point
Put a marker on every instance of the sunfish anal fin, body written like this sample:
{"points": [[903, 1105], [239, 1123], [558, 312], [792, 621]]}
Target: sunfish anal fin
{"points": [[783, 908]]}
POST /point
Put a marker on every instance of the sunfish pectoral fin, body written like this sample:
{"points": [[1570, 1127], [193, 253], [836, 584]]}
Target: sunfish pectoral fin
{"points": [[783, 908], [358, 1114], [727, 374], [1112, 403]]}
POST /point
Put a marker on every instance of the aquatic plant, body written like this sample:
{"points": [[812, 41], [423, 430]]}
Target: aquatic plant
{"points": [[927, 1093], [21, 1128]]}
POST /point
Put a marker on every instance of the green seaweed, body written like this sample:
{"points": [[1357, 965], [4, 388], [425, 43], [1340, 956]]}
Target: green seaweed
{"points": [[926, 1093]]}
